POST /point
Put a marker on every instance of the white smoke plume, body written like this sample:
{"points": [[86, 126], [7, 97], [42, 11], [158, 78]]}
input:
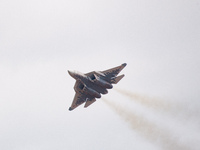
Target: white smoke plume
{"points": [[147, 129], [151, 102], [178, 110]]}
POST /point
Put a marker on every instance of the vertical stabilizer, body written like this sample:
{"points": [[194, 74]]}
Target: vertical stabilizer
{"points": [[89, 102], [117, 79]]}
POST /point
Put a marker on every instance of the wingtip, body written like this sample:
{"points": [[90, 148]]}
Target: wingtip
{"points": [[70, 109], [124, 64]]}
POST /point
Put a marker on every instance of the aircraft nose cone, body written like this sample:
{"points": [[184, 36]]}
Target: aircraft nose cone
{"points": [[71, 73]]}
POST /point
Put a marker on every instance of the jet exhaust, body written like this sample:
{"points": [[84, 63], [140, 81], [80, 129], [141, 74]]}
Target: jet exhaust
{"points": [[147, 101], [146, 128]]}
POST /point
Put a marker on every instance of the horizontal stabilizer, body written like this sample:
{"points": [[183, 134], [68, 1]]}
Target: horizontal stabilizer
{"points": [[117, 79], [89, 102]]}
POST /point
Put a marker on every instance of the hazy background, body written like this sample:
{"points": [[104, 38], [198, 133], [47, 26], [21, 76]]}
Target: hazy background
{"points": [[156, 106]]}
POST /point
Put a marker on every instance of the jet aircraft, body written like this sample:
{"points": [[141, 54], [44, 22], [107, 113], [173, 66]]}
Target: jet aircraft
{"points": [[91, 85]]}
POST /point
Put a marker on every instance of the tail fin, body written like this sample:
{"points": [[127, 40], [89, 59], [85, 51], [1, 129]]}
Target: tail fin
{"points": [[117, 79], [89, 102]]}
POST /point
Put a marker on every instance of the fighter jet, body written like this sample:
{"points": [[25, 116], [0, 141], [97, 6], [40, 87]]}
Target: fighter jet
{"points": [[91, 85]]}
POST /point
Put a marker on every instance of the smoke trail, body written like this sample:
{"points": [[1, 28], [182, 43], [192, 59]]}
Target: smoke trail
{"points": [[182, 111], [147, 101], [146, 128]]}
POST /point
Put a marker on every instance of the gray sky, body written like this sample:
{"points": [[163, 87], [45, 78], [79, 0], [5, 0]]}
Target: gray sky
{"points": [[159, 40]]}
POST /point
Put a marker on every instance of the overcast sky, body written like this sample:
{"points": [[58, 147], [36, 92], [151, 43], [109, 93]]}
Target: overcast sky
{"points": [[155, 106]]}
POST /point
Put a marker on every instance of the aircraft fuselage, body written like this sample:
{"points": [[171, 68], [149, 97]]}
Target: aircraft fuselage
{"points": [[92, 84]]}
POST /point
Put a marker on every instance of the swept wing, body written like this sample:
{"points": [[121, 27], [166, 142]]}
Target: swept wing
{"points": [[113, 72], [109, 75], [79, 97]]}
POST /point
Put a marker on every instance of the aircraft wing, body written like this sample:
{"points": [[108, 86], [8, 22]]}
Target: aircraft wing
{"points": [[79, 98], [113, 72], [108, 73]]}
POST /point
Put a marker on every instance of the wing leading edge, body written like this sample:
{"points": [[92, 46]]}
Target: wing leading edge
{"points": [[113, 72], [78, 100]]}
